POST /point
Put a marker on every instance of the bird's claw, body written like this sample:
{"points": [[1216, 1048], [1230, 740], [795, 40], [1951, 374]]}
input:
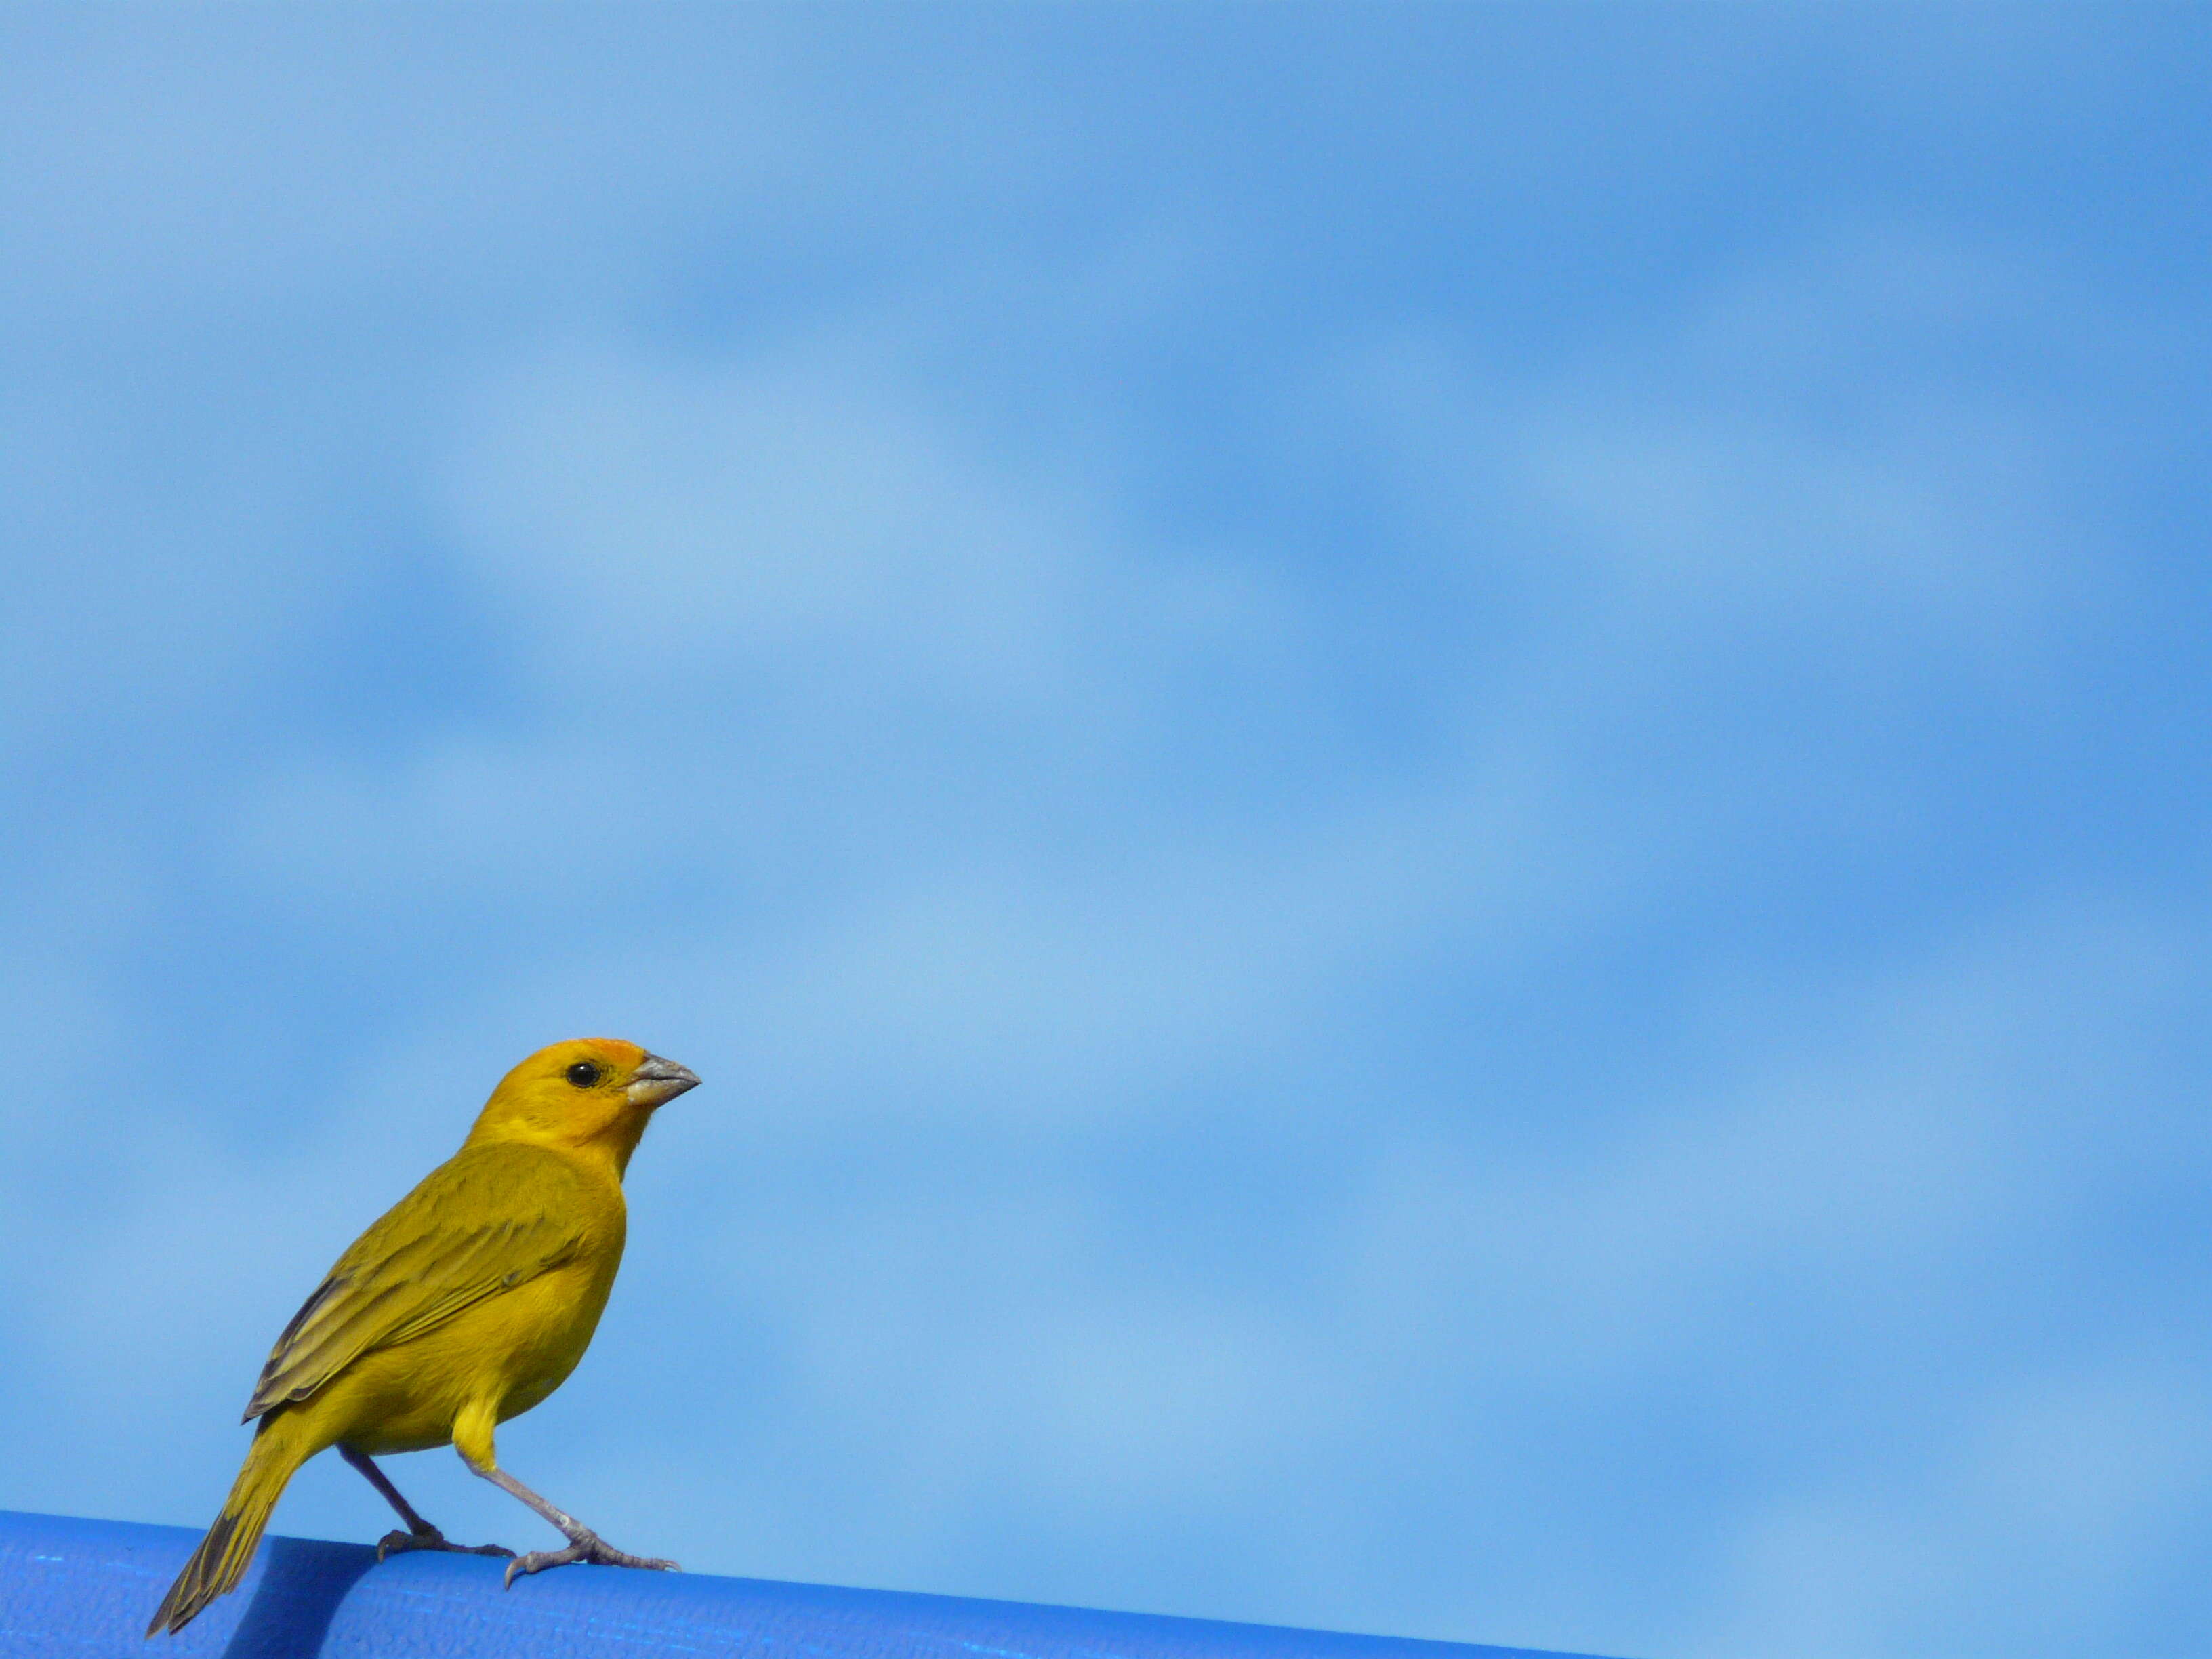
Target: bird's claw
{"points": [[587, 1546], [396, 1542]]}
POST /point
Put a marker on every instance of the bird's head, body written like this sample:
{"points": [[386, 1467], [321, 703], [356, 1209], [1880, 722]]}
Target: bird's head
{"points": [[595, 1092]]}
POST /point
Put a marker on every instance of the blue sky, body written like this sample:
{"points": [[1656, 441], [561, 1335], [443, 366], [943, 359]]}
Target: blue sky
{"points": [[1427, 786]]}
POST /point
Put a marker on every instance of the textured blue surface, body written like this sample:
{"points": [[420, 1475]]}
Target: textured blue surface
{"points": [[85, 1588]]}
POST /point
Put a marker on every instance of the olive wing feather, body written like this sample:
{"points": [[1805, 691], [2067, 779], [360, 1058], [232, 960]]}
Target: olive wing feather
{"points": [[490, 1219]]}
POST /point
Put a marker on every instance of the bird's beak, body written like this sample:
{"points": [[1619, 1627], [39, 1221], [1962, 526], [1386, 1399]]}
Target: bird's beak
{"points": [[656, 1081]]}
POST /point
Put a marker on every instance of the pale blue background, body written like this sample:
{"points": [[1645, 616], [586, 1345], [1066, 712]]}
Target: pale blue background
{"points": [[1427, 786]]}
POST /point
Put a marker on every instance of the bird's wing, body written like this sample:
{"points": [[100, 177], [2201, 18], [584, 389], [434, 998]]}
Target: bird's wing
{"points": [[490, 1219]]}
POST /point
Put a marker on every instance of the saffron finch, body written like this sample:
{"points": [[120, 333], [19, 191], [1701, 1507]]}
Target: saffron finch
{"points": [[467, 1304]]}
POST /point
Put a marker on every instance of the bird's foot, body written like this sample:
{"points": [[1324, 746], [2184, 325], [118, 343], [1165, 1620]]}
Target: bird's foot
{"points": [[396, 1542], [587, 1545]]}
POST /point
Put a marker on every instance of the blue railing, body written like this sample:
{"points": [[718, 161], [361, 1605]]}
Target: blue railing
{"points": [[83, 1590]]}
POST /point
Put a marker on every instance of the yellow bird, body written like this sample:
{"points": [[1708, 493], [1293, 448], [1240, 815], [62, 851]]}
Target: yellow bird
{"points": [[467, 1304]]}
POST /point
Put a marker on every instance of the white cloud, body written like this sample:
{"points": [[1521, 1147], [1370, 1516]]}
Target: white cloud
{"points": [[649, 523]]}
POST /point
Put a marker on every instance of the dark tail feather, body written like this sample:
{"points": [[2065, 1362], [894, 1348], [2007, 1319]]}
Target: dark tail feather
{"points": [[227, 1550]]}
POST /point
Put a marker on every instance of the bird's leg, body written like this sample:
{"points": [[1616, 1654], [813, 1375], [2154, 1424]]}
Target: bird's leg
{"points": [[584, 1544], [420, 1534]]}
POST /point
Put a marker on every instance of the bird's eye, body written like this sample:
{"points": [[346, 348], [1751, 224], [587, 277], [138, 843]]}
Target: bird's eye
{"points": [[584, 1073]]}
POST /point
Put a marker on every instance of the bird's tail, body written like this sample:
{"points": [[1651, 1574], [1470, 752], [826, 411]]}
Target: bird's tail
{"points": [[224, 1554]]}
